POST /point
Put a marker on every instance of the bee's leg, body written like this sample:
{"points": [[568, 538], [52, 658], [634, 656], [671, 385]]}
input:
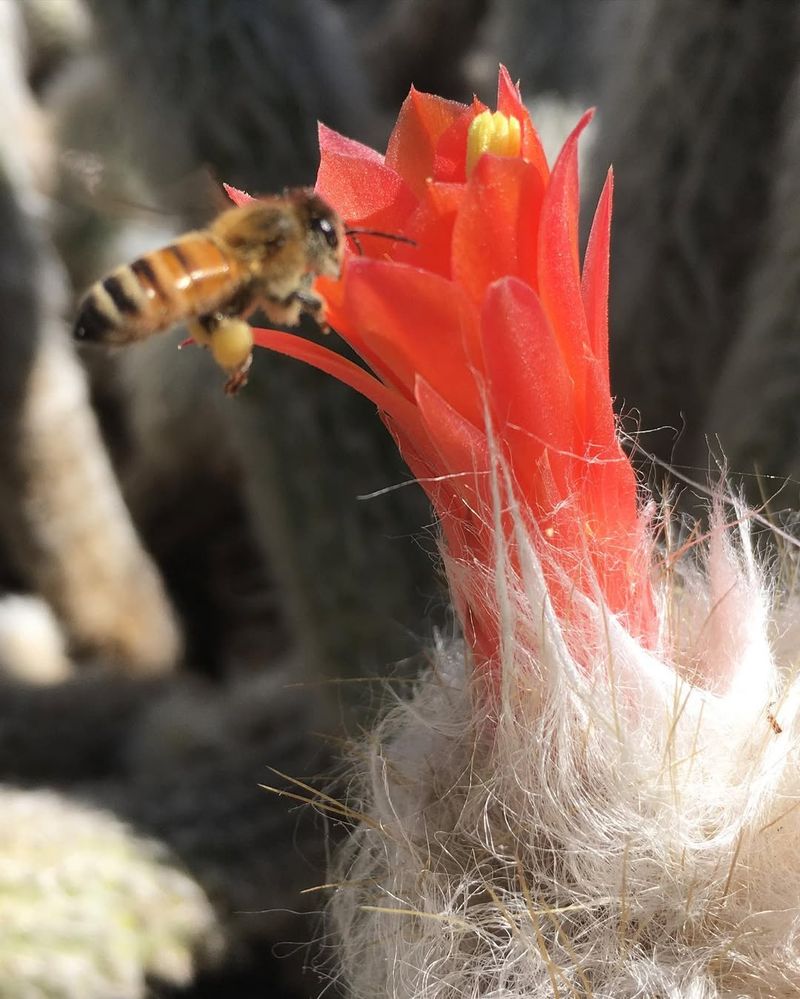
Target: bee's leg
{"points": [[199, 331], [314, 306], [238, 379], [231, 341]]}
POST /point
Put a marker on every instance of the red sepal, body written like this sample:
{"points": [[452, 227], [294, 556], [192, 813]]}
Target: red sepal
{"points": [[422, 120], [496, 229]]}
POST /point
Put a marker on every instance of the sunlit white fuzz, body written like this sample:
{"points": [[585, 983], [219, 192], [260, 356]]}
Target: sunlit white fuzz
{"points": [[32, 644], [625, 826]]}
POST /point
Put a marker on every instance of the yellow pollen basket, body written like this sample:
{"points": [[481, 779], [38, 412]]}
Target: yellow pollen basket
{"points": [[496, 133], [231, 344]]}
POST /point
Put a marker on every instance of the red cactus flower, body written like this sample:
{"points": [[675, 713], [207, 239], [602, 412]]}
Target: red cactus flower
{"points": [[487, 346]]}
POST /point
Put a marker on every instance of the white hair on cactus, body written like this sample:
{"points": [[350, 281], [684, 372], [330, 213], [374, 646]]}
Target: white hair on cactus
{"points": [[622, 827]]}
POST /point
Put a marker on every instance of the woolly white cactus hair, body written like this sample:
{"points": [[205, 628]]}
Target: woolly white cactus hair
{"points": [[594, 796], [624, 827]]}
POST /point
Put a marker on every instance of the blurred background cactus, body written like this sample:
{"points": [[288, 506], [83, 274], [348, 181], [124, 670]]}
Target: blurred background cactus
{"points": [[698, 119], [90, 909], [187, 582]]}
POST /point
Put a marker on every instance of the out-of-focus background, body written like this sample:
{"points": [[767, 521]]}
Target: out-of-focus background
{"points": [[194, 589]]}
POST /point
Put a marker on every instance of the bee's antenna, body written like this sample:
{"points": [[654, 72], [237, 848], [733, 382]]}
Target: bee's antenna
{"points": [[355, 233]]}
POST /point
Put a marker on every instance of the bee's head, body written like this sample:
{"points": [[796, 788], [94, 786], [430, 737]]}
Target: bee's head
{"points": [[265, 226], [325, 238]]}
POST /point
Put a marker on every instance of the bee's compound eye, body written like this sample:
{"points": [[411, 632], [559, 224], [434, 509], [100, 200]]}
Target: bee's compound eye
{"points": [[328, 231]]}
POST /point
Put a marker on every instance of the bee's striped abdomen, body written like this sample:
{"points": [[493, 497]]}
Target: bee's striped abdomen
{"points": [[192, 276]]}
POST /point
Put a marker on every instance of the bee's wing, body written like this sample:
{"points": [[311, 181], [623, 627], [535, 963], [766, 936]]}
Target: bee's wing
{"points": [[90, 182]]}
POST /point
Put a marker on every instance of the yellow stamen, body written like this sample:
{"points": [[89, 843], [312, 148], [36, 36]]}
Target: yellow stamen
{"points": [[496, 133]]}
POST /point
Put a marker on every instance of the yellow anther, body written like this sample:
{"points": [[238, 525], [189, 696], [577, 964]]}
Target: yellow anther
{"points": [[496, 133]]}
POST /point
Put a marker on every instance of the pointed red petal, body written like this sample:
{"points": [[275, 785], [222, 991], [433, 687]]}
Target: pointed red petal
{"points": [[450, 159], [431, 227], [463, 448], [558, 267], [384, 397], [359, 185], [423, 459], [618, 551], [462, 545], [529, 387], [416, 322], [509, 101], [337, 314], [422, 120], [333, 143], [238, 197], [461, 496], [594, 283], [495, 233], [601, 425], [610, 493]]}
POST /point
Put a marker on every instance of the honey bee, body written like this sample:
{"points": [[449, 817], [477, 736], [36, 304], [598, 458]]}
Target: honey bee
{"points": [[264, 254]]}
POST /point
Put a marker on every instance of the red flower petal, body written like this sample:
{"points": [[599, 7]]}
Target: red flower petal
{"points": [[610, 493], [462, 448], [334, 143], [422, 120], [450, 160], [558, 268], [422, 457], [594, 283], [509, 101], [601, 426], [338, 316], [431, 226], [359, 185], [496, 229], [385, 398], [618, 551], [418, 323], [529, 386], [238, 197], [489, 309]]}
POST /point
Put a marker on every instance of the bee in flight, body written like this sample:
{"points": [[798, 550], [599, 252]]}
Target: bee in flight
{"points": [[264, 254]]}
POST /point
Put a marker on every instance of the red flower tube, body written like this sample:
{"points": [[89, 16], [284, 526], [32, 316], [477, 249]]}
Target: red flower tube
{"points": [[487, 344], [613, 812]]}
